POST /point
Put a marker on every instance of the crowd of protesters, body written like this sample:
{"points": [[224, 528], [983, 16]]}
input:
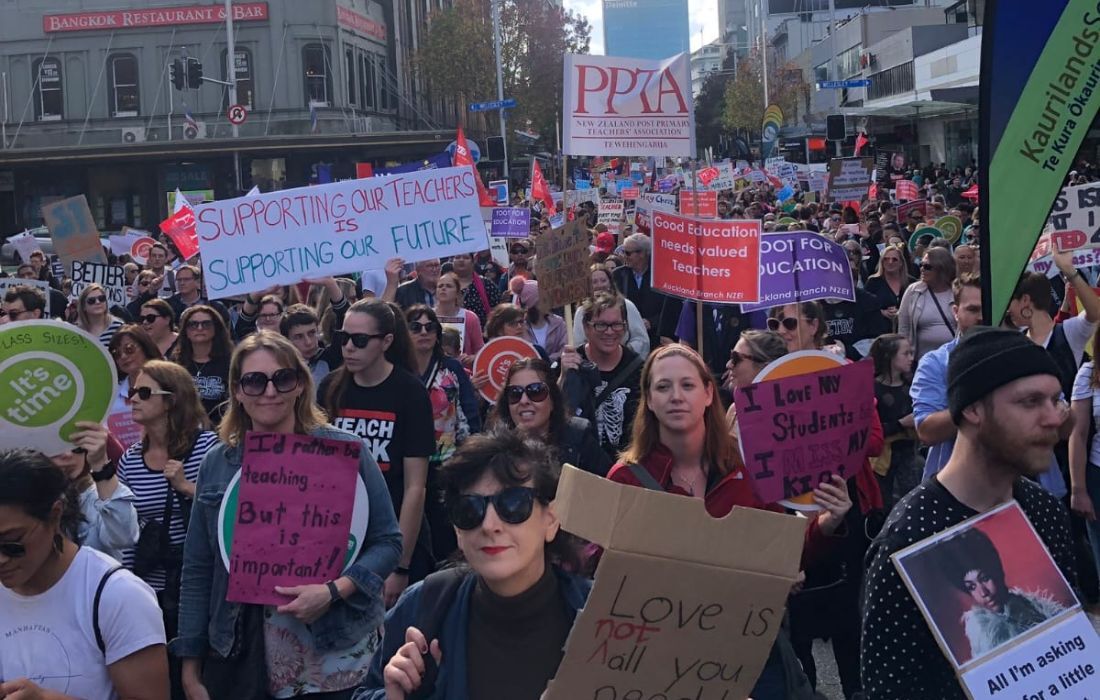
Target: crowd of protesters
{"points": [[967, 417]]}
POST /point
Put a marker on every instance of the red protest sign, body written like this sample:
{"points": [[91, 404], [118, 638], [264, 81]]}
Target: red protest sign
{"points": [[711, 261], [797, 431], [707, 175], [180, 227], [496, 357], [701, 204], [630, 193], [294, 514]]}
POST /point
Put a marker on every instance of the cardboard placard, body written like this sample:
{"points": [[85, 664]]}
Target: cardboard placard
{"points": [[798, 431], [711, 261], [610, 214], [295, 503], [700, 204], [251, 243], [73, 230], [111, 277], [801, 266], [849, 178], [660, 621], [511, 222], [561, 266], [53, 374]]}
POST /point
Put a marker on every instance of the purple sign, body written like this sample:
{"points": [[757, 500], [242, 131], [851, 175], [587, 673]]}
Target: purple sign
{"points": [[801, 266], [511, 222]]}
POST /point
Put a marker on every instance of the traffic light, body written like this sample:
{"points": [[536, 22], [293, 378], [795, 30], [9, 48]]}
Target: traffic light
{"points": [[495, 148], [194, 73], [835, 128], [178, 76]]}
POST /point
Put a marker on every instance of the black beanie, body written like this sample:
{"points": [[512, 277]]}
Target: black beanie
{"points": [[987, 359]]}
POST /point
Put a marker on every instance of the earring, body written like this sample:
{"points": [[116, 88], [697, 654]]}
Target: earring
{"points": [[58, 543], [1026, 313]]}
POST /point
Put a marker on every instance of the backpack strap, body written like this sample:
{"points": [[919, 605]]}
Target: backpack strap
{"points": [[644, 477], [95, 607], [618, 380], [437, 595]]}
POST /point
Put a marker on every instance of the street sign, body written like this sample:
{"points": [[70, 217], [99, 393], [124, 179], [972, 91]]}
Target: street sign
{"points": [[237, 114], [490, 106], [842, 84]]}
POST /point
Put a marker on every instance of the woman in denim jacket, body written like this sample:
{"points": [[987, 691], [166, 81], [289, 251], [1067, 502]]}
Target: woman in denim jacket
{"points": [[320, 643]]}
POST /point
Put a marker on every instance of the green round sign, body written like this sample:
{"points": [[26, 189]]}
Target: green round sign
{"points": [[52, 375], [786, 221], [923, 231], [227, 519], [952, 227]]}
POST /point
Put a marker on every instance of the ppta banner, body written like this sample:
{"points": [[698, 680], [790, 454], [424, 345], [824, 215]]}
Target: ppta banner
{"points": [[616, 106]]}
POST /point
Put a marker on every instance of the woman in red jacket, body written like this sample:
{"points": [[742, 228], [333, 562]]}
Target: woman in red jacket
{"points": [[681, 444]]}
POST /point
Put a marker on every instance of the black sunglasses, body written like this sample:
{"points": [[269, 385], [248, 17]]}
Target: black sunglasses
{"points": [[101, 299], [737, 358], [149, 318], [145, 393], [255, 383], [513, 505], [790, 323], [359, 340], [418, 327], [927, 267], [536, 391], [200, 325]]}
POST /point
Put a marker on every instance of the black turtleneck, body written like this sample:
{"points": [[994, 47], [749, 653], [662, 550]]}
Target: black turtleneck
{"points": [[514, 645]]}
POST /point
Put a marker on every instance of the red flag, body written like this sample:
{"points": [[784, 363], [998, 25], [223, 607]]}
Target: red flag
{"points": [[872, 193], [462, 157], [540, 189], [861, 141]]}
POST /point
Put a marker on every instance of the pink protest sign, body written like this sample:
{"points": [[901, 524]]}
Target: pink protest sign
{"points": [[293, 514], [798, 431]]}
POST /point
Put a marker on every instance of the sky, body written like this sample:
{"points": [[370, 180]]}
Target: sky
{"points": [[703, 18]]}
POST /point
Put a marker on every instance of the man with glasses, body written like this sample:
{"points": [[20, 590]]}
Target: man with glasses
{"points": [[602, 377], [58, 302], [23, 303], [633, 280], [422, 289], [164, 278], [522, 262], [189, 284]]}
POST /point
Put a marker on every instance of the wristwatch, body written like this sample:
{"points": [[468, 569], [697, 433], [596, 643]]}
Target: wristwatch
{"points": [[333, 591], [106, 473]]}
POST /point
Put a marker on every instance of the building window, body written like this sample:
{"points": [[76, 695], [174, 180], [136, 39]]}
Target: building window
{"points": [[367, 80], [242, 65], [318, 80], [891, 81], [124, 85], [46, 75], [848, 62], [821, 73], [349, 69]]}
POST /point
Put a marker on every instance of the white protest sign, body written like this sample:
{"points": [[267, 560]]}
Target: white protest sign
{"points": [[251, 243], [1082, 258], [647, 204], [578, 196], [8, 283], [617, 106], [756, 175], [111, 277], [849, 178], [25, 243], [611, 215], [819, 180], [725, 178], [1074, 221]]}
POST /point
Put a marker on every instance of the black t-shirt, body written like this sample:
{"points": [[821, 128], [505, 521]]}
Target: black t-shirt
{"points": [[900, 659], [614, 416], [851, 321], [212, 382], [394, 419]]}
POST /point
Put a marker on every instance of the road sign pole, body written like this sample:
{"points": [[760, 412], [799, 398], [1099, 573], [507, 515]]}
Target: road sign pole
{"points": [[231, 60], [500, 78]]}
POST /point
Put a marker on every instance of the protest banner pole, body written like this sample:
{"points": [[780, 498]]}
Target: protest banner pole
{"points": [[565, 220], [698, 304]]}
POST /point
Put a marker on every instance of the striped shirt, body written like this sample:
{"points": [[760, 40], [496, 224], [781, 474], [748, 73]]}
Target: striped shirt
{"points": [[109, 332], [150, 490]]}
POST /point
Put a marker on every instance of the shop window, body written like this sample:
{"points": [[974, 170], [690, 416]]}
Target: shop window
{"points": [[318, 80], [123, 74], [46, 75]]}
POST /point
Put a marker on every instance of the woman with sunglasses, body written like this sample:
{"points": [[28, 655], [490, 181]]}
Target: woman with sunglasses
{"points": [[449, 311], [753, 351], [512, 602], [161, 471], [72, 625], [204, 349], [376, 396], [131, 347], [532, 403], [454, 410], [319, 644], [925, 317], [94, 315], [159, 321], [802, 325], [142, 292], [681, 445], [889, 283]]}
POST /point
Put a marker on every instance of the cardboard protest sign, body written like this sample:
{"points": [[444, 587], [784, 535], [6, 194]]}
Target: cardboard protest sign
{"points": [[496, 357], [660, 621], [798, 431], [511, 222], [294, 514], [52, 375], [73, 231], [251, 243], [700, 204], [7, 283], [1053, 646], [628, 106], [849, 178], [801, 266], [111, 277], [711, 261], [561, 266]]}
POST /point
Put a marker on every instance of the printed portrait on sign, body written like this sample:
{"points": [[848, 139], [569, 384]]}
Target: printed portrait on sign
{"points": [[984, 583]]}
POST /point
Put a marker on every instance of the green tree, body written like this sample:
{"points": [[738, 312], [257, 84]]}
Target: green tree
{"points": [[710, 105], [744, 100]]}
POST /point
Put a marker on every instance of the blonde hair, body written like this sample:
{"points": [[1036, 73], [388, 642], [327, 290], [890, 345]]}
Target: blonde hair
{"points": [[719, 449], [84, 322], [307, 414]]}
